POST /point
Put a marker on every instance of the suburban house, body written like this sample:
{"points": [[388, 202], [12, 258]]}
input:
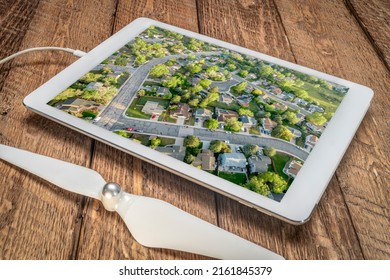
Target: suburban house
{"points": [[94, 85], [205, 160], [280, 106], [152, 108], [297, 133], [314, 128], [205, 114], [267, 125], [247, 122], [310, 142], [223, 115], [75, 105], [244, 100], [292, 168], [314, 108], [227, 99], [251, 76], [175, 151], [161, 90], [276, 90], [182, 110], [232, 162], [258, 164], [300, 101]]}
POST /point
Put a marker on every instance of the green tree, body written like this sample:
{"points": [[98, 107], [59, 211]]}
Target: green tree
{"points": [[231, 67], [141, 92], [191, 56], [243, 73], [291, 117], [269, 151], [316, 118], [212, 68], [245, 112], [301, 93], [193, 68], [266, 71], [282, 132], [205, 83], [233, 124], [258, 185], [250, 149], [193, 102], [173, 82], [218, 146], [159, 70], [257, 92], [214, 89], [140, 59], [191, 141], [189, 158], [196, 88], [155, 142], [274, 181], [240, 87], [212, 124], [176, 99]]}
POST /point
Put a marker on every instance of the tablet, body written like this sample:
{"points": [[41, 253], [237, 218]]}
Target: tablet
{"points": [[263, 131]]}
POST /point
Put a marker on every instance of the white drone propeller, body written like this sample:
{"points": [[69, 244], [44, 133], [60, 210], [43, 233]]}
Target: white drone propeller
{"points": [[152, 222]]}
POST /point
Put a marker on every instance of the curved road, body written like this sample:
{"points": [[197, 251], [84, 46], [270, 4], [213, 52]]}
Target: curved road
{"points": [[118, 105], [113, 117]]}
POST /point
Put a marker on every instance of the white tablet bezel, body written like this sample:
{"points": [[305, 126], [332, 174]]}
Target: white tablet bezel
{"points": [[310, 183]]}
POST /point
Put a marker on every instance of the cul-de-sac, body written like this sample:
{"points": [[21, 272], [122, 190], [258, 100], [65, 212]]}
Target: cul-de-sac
{"points": [[238, 117]]}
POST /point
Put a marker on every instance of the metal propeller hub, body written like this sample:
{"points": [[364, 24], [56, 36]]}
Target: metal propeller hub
{"points": [[110, 195]]}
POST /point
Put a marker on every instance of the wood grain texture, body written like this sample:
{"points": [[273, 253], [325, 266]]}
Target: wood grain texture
{"points": [[292, 242], [100, 241], [37, 220], [364, 173], [374, 18], [40, 221]]}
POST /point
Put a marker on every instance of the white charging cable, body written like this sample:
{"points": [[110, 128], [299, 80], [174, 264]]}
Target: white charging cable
{"points": [[72, 51]]}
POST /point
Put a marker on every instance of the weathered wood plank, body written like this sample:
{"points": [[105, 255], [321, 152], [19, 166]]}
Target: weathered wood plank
{"points": [[373, 17], [325, 36], [260, 28], [104, 235], [37, 220], [13, 30]]}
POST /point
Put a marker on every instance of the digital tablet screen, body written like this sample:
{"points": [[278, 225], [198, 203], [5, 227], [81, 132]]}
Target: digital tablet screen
{"points": [[243, 119]]}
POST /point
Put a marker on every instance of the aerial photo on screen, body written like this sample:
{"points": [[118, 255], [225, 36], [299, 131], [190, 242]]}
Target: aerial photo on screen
{"points": [[238, 117]]}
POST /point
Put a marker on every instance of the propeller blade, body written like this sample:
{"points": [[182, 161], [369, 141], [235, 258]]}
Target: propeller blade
{"points": [[155, 223], [71, 177]]}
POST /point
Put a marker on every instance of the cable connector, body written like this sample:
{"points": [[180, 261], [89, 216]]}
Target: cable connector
{"points": [[77, 53]]}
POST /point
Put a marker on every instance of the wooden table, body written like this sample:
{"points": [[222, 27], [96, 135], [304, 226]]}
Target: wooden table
{"points": [[349, 39]]}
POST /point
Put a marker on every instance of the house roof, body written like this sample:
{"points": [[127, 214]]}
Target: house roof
{"points": [[183, 110], [223, 115], [311, 140], [152, 107], [203, 112], [248, 120], [292, 168], [205, 159], [74, 104], [268, 124], [232, 160]]}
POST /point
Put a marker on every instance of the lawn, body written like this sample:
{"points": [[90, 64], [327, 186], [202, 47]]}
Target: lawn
{"points": [[237, 178], [254, 107], [135, 109], [325, 97], [278, 162]]}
